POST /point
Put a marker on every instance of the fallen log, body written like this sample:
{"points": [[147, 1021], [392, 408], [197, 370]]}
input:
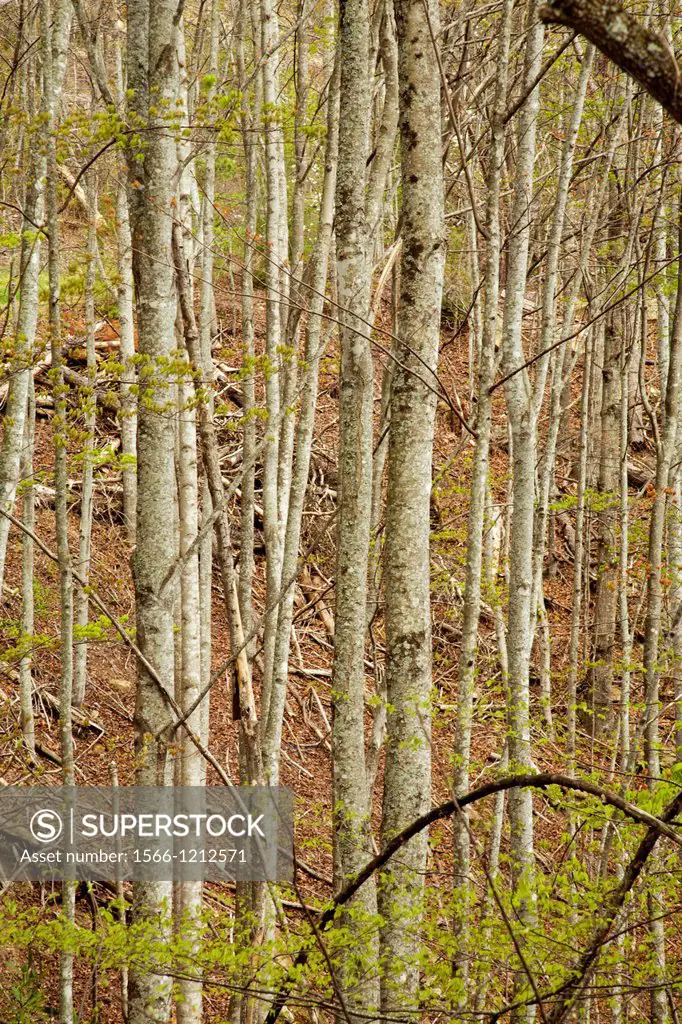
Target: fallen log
{"points": [[80, 719]]}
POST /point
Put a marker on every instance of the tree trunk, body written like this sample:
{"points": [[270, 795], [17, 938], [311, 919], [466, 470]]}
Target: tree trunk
{"points": [[521, 410], [477, 503], [90, 407], [126, 327], [274, 256], [21, 367], [599, 694], [50, 94], [407, 773], [314, 349], [350, 797], [27, 572], [152, 90]]}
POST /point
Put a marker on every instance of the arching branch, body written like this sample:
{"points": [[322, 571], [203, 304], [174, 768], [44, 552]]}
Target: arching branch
{"points": [[656, 828]]}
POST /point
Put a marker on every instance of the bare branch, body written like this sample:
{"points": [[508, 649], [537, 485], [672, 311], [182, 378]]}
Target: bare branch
{"points": [[644, 54]]}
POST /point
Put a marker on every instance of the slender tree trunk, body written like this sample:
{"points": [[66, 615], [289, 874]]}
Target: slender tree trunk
{"points": [[675, 562], [350, 796], [314, 348], [494, 846], [477, 503], [211, 460], [189, 894], [385, 141], [27, 572], [248, 904], [660, 256], [666, 446], [188, 664], [15, 412], [50, 71], [21, 369], [601, 675], [652, 628], [126, 327], [90, 408], [250, 116], [579, 557], [207, 325], [274, 256], [291, 286], [560, 363], [623, 569], [520, 408]]}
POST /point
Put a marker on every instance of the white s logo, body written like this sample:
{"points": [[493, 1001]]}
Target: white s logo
{"points": [[46, 826]]}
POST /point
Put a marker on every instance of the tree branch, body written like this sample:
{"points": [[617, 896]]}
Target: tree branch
{"points": [[644, 54], [657, 827]]}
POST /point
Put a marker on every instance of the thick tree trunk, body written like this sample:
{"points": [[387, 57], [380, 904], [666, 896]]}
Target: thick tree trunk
{"points": [[407, 773], [152, 90], [350, 797]]}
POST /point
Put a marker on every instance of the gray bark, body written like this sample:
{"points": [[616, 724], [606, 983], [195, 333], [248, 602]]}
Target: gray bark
{"points": [[152, 89], [407, 773], [90, 405], [206, 327], [51, 70], [385, 140], [314, 348], [604, 624], [22, 362], [666, 445], [274, 256], [189, 894], [21, 368], [27, 570], [578, 555], [250, 116], [477, 504], [520, 407], [644, 53], [350, 797], [128, 414], [211, 461]]}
